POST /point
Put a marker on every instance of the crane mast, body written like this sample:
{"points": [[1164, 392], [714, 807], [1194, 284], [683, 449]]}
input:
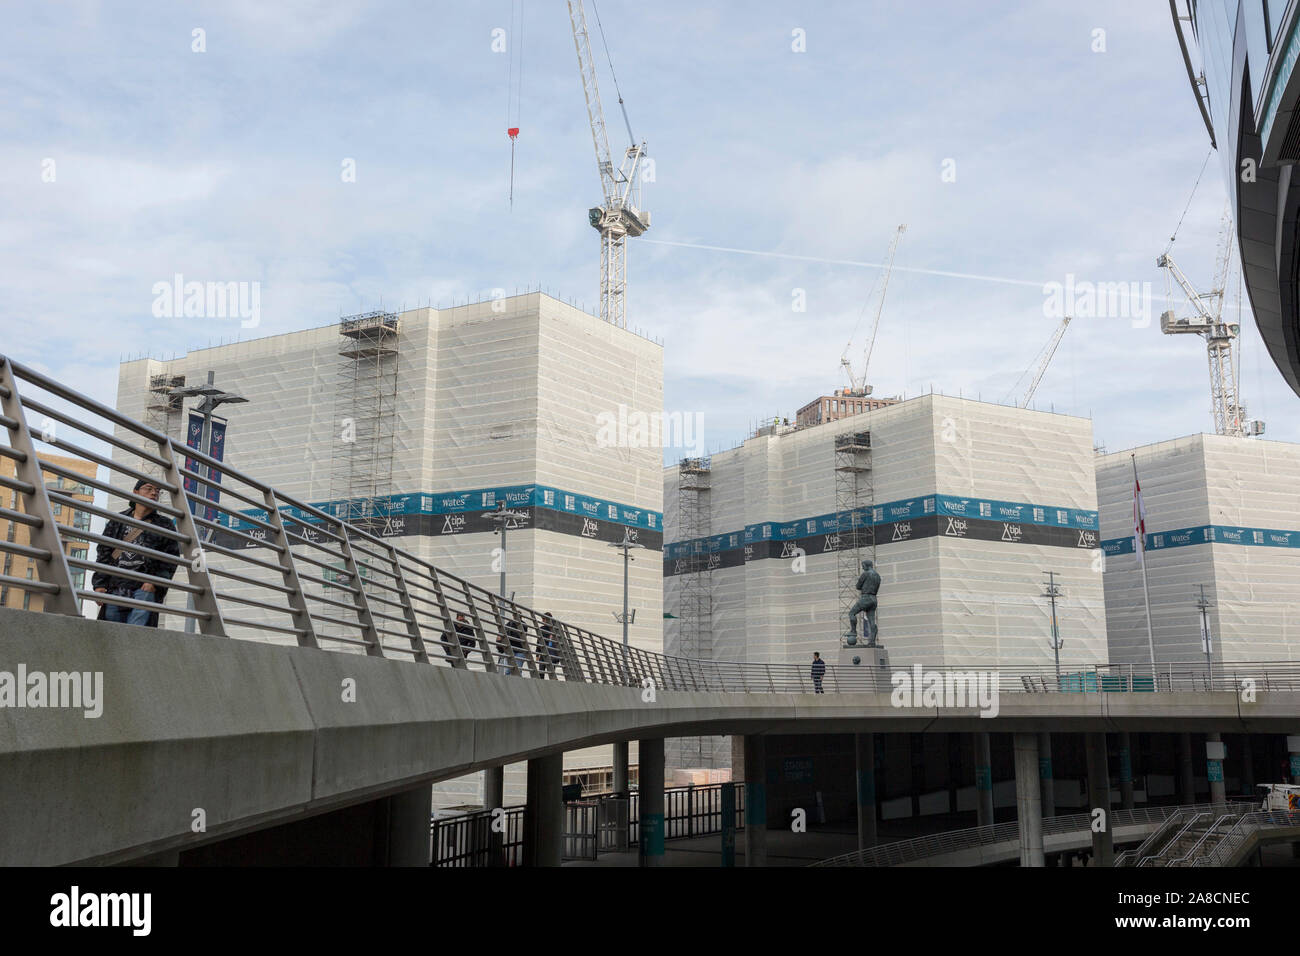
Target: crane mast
{"points": [[1225, 402], [620, 216]]}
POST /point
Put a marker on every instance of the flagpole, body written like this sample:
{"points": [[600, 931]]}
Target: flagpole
{"points": [[1139, 528]]}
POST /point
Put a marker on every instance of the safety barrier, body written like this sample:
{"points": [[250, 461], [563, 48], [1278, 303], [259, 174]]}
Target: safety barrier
{"points": [[257, 562], [938, 844]]}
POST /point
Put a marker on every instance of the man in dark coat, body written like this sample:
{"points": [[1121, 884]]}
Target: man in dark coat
{"points": [[127, 559], [818, 672], [468, 637], [548, 655]]}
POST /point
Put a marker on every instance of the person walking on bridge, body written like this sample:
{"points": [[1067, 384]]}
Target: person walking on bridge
{"points": [[547, 655], [818, 672], [468, 638], [125, 557], [518, 647]]}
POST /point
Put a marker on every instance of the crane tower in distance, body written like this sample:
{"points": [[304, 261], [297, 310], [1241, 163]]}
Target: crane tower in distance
{"points": [[621, 214]]}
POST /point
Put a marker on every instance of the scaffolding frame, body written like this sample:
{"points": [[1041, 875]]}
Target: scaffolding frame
{"points": [[163, 410], [854, 501], [695, 594], [695, 582], [365, 418]]}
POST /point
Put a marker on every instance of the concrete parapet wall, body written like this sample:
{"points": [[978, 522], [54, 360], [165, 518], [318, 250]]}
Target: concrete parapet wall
{"points": [[256, 735]]}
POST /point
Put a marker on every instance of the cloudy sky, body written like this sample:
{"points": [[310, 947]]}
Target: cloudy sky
{"points": [[776, 170]]}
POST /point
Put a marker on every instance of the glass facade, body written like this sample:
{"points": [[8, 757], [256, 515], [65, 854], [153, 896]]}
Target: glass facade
{"points": [[1252, 12], [1215, 22], [1254, 114]]}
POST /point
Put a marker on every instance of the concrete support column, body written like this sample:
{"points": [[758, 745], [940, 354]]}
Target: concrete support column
{"points": [[1103, 846], [1029, 807], [409, 829], [1293, 765], [620, 767], [494, 787], [1247, 766], [1186, 779], [650, 834], [755, 800], [1126, 771], [983, 780], [494, 796], [544, 811], [1047, 783], [1215, 754], [864, 750]]}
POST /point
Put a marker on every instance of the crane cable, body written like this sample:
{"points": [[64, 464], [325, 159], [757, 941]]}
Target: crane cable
{"points": [[1189, 200], [514, 90], [608, 59]]}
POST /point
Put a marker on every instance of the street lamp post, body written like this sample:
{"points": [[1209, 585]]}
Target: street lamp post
{"points": [[1051, 591], [502, 518], [212, 398], [494, 778], [1206, 640], [626, 546], [620, 783]]}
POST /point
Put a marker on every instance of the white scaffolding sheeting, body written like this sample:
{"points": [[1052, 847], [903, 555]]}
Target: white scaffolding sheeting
{"points": [[943, 600], [506, 392], [1248, 492]]}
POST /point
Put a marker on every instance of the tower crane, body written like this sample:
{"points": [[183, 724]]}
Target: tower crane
{"points": [[621, 215], [858, 382], [1039, 366], [1225, 400]]}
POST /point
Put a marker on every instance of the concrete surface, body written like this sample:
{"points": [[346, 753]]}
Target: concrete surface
{"points": [[247, 735]]}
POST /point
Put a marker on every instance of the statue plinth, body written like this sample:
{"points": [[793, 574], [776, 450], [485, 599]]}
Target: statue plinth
{"points": [[860, 655]]}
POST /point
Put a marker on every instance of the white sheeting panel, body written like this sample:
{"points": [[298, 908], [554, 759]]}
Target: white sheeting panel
{"points": [[1194, 482]]}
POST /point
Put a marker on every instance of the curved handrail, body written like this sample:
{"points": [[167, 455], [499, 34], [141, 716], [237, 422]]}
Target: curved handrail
{"points": [[311, 578], [936, 844], [1248, 825], [1210, 831]]}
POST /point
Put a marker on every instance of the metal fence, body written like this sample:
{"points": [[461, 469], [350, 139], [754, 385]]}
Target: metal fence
{"points": [[1245, 827], [937, 844], [256, 562], [469, 840]]}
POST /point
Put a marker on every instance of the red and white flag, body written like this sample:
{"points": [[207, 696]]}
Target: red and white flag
{"points": [[1139, 521]]}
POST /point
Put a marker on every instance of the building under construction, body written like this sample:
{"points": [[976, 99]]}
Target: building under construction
{"points": [[1223, 528], [416, 425], [963, 504]]}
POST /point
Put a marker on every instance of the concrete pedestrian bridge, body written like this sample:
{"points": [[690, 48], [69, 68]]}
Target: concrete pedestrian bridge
{"points": [[327, 681], [256, 735]]}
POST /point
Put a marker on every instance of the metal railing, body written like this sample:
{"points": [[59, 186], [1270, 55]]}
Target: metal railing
{"points": [[938, 844], [691, 811], [1190, 822], [468, 839], [1248, 825], [258, 562], [1157, 841], [1212, 835]]}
